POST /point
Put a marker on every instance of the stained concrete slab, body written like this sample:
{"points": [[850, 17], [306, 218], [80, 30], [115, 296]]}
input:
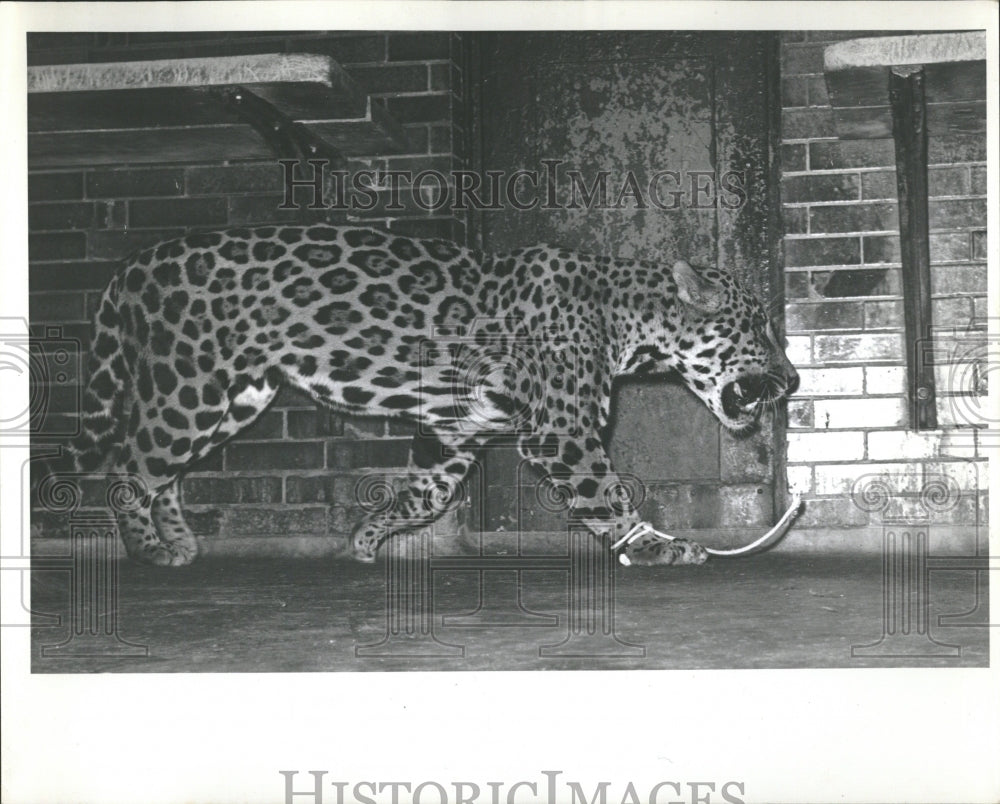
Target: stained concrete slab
{"points": [[274, 615]]}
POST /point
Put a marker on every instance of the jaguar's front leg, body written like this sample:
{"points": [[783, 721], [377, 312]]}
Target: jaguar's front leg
{"points": [[607, 504]]}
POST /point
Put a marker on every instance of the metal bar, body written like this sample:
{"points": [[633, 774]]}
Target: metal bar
{"points": [[909, 127]]}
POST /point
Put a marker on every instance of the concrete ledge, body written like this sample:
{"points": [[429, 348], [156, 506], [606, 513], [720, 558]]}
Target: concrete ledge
{"points": [[163, 73], [887, 51]]}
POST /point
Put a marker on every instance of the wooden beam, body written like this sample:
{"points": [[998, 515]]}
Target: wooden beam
{"points": [[909, 128]]}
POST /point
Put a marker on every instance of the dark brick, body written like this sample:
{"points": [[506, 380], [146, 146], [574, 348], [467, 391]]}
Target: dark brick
{"points": [[856, 283], [75, 55], [70, 215], [834, 155], [978, 179], [418, 46], [883, 315], [135, 182], [420, 108], [959, 213], [116, 245], [943, 181], [788, 37], [822, 187], [216, 490], [52, 247], [267, 178], [332, 489], [415, 164], [205, 523], [444, 228], [55, 186], [347, 50], [958, 279], [178, 212], [801, 124], [63, 398], [823, 251], [265, 209], [270, 424], [440, 140], [952, 312], [824, 315], [801, 59], [369, 454], [794, 91], [979, 245], [56, 307], [817, 91], [881, 249], [949, 247], [879, 184], [418, 136], [956, 148], [314, 424], [793, 156], [57, 41], [270, 455], [854, 218], [71, 276], [282, 521], [796, 220], [796, 285], [212, 462], [387, 78]]}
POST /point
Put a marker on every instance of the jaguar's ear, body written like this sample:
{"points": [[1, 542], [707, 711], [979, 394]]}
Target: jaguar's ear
{"points": [[695, 290]]}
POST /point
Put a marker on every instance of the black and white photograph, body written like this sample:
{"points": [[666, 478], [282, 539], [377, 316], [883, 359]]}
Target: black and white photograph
{"points": [[372, 356]]}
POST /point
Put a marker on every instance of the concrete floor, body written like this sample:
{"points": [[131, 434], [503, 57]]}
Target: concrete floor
{"points": [[775, 610]]}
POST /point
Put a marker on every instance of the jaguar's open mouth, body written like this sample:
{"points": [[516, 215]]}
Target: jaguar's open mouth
{"points": [[746, 397]]}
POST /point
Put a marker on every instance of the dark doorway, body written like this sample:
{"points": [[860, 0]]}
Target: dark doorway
{"points": [[693, 108]]}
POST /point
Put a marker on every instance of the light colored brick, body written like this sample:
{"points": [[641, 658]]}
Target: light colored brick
{"points": [[798, 348], [965, 411], [895, 444], [885, 379], [800, 479], [858, 348], [969, 475], [837, 414], [813, 447], [965, 376], [831, 381], [841, 478]]}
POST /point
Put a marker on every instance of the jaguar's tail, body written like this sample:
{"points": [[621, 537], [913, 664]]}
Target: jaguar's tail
{"points": [[102, 414]]}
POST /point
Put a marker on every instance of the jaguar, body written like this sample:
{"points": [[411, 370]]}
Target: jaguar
{"points": [[194, 336]]}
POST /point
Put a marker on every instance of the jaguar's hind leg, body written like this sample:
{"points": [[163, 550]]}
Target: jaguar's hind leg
{"points": [[155, 532], [438, 466], [174, 533]]}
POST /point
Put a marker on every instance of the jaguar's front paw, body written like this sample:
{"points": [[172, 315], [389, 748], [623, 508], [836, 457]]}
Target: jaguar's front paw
{"points": [[362, 547], [650, 550]]}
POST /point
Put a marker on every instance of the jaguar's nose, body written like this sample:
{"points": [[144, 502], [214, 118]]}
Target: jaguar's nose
{"points": [[793, 383]]}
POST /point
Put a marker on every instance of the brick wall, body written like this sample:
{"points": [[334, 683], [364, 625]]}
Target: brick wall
{"points": [[845, 317], [294, 471]]}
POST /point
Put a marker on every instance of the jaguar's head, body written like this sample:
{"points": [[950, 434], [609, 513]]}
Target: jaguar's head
{"points": [[726, 349]]}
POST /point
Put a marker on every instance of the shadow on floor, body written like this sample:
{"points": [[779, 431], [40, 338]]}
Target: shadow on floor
{"points": [[768, 611]]}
